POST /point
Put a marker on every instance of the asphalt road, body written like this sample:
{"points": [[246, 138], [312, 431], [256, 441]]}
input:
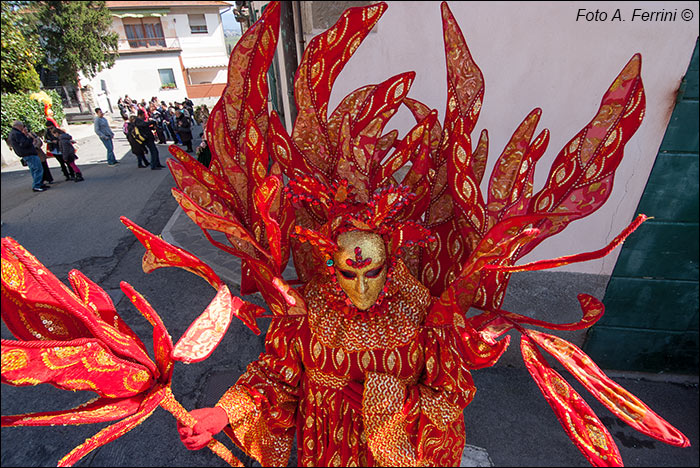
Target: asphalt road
{"points": [[77, 226]]}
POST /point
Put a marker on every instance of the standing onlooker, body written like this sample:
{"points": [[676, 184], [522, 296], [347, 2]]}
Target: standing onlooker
{"points": [[23, 146], [184, 127], [66, 142], [188, 106], [172, 125], [164, 119], [204, 153], [137, 147], [142, 107], [144, 133], [122, 109], [157, 119], [106, 134], [55, 149], [39, 146], [201, 115]]}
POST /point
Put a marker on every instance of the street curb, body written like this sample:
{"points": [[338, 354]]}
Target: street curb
{"points": [[682, 379]]}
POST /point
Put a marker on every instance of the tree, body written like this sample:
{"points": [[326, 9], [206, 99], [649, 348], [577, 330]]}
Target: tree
{"points": [[76, 37], [20, 51]]}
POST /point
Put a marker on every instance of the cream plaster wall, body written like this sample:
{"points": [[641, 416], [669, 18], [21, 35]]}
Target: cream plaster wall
{"points": [[536, 54], [210, 44], [207, 75], [137, 75]]}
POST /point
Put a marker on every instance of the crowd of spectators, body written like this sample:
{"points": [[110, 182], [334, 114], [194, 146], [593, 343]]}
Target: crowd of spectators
{"points": [[144, 125]]}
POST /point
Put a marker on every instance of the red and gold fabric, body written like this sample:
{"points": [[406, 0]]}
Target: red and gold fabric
{"points": [[415, 386], [451, 248], [75, 340]]}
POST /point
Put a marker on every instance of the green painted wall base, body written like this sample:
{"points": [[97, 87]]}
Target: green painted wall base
{"points": [[654, 350], [651, 318]]}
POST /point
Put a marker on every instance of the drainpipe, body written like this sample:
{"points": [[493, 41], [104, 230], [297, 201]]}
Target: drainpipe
{"points": [[298, 29]]}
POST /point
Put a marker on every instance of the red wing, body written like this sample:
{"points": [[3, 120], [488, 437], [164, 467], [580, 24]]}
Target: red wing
{"points": [[160, 254], [581, 176], [512, 174], [97, 411], [465, 82], [622, 403], [81, 364], [324, 58], [498, 323], [207, 330], [37, 306], [245, 244], [354, 159], [204, 186], [579, 421], [116, 430], [162, 343]]}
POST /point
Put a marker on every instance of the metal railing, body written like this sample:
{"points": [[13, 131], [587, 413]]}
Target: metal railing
{"points": [[146, 43], [70, 98]]}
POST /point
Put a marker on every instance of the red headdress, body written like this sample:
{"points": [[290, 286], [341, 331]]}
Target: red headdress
{"points": [[338, 204]]}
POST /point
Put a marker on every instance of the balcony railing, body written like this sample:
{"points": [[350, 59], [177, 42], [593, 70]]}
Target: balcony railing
{"points": [[146, 44]]}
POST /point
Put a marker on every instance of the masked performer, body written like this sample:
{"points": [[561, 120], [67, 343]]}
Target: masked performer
{"points": [[368, 360], [373, 382]]}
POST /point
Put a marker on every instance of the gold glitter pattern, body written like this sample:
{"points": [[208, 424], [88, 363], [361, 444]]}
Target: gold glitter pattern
{"points": [[301, 379], [405, 310]]}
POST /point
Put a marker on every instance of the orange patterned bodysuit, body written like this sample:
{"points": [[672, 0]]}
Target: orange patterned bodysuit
{"points": [[415, 387]]}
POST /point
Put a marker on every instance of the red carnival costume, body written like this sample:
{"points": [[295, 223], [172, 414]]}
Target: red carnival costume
{"points": [[368, 360]]}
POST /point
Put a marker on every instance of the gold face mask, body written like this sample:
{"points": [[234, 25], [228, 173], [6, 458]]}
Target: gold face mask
{"points": [[360, 266]]}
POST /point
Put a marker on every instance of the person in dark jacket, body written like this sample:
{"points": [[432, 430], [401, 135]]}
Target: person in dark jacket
{"points": [[184, 129], [188, 108], [204, 153], [165, 122], [55, 150], [156, 121], [23, 147], [172, 125], [39, 145], [143, 133], [137, 148], [66, 141]]}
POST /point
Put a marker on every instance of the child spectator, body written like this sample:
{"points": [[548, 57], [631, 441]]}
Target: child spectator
{"points": [[65, 142]]}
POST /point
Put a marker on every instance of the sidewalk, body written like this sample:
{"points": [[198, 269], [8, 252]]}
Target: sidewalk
{"points": [[83, 134]]}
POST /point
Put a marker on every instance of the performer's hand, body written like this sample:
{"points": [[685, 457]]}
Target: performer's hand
{"points": [[352, 394], [210, 421]]}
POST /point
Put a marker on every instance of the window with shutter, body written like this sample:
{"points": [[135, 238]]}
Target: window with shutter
{"points": [[198, 24]]}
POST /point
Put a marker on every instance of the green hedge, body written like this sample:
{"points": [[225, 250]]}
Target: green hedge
{"points": [[19, 106]]}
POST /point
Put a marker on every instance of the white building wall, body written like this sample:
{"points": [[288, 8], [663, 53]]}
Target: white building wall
{"points": [[537, 54], [137, 75], [210, 44], [207, 75]]}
